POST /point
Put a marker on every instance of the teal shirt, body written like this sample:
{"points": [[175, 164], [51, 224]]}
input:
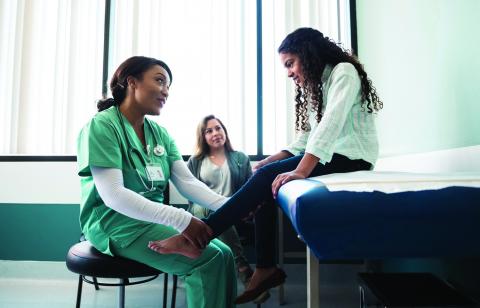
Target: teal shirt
{"points": [[110, 141]]}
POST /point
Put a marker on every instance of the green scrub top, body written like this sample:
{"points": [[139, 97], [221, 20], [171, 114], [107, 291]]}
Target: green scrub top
{"points": [[110, 141]]}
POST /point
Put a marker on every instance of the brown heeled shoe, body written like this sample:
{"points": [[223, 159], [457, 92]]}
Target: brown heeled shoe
{"points": [[275, 279]]}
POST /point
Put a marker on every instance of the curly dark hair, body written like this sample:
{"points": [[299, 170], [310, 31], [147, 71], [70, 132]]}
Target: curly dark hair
{"points": [[316, 51]]}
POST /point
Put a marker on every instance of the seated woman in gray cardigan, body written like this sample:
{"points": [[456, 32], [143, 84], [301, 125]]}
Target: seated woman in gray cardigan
{"points": [[223, 170]]}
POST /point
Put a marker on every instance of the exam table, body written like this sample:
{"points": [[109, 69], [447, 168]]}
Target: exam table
{"points": [[381, 214]]}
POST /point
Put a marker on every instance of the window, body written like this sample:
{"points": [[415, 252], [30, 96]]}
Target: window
{"points": [[51, 69], [278, 19], [51, 55], [210, 46]]}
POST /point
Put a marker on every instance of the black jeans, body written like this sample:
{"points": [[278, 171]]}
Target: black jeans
{"points": [[258, 190]]}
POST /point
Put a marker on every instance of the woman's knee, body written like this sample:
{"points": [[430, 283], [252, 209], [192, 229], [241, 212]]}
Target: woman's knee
{"points": [[222, 246], [275, 168], [267, 172], [224, 251], [216, 249]]}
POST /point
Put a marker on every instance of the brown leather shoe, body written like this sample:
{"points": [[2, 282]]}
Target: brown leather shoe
{"points": [[275, 279], [262, 298]]}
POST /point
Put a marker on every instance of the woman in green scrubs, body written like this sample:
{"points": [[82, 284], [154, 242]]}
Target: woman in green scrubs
{"points": [[125, 162]]}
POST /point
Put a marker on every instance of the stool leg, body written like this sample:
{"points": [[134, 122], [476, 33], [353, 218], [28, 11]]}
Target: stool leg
{"points": [[362, 297], [79, 291], [281, 254], [165, 289], [121, 294], [174, 291], [95, 283]]}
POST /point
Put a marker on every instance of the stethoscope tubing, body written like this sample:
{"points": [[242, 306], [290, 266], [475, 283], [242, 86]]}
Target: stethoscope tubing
{"points": [[131, 149]]}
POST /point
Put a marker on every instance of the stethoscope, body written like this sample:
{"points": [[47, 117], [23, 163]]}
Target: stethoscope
{"points": [[158, 150]]}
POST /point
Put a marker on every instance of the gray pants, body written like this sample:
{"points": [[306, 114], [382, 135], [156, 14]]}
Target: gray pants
{"points": [[229, 236]]}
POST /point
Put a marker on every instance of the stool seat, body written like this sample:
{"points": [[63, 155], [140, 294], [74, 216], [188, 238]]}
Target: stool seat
{"points": [[84, 259]]}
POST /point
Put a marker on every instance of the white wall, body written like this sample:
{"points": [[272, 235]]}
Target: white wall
{"points": [[39, 182], [422, 56], [46, 183]]}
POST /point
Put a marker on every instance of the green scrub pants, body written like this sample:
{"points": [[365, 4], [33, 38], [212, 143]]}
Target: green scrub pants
{"points": [[210, 280], [229, 236]]}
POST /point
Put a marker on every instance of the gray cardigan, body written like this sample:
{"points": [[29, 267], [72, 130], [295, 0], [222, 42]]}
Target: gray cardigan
{"points": [[238, 163]]}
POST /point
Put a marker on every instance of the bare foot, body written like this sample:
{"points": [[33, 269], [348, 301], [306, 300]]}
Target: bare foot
{"points": [[176, 244], [259, 275]]}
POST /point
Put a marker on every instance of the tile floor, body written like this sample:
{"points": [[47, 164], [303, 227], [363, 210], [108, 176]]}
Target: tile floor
{"points": [[50, 284]]}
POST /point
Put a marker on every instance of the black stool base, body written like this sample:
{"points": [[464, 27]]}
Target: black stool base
{"points": [[409, 290]]}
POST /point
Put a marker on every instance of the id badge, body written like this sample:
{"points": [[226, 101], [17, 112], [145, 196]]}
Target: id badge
{"points": [[155, 173]]}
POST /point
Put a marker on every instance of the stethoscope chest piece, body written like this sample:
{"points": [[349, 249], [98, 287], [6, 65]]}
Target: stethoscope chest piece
{"points": [[158, 150]]}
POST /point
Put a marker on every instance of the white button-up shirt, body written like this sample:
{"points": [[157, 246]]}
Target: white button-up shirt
{"points": [[345, 128]]}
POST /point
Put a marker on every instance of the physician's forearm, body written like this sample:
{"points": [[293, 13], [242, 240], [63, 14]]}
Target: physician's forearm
{"points": [[109, 184]]}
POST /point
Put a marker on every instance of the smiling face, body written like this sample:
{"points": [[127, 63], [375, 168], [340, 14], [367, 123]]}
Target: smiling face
{"points": [[292, 64], [151, 92], [214, 134]]}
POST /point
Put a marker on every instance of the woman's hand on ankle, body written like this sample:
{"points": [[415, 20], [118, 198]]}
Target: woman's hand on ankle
{"points": [[198, 233]]}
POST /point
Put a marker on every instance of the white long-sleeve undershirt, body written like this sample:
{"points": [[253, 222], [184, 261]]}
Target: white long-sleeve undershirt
{"points": [[109, 184]]}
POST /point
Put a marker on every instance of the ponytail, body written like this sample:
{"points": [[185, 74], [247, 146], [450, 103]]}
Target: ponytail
{"points": [[105, 103]]}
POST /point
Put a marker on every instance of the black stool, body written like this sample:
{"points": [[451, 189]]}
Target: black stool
{"points": [[85, 260], [408, 290]]}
